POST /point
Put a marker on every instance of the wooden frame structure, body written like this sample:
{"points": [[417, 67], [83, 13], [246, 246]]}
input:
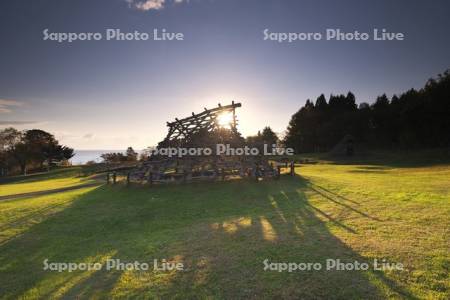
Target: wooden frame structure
{"points": [[161, 169], [206, 120]]}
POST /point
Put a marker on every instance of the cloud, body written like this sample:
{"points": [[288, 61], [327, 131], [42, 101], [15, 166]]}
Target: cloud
{"points": [[3, 123], [150, 4], [88, 136], [147, 5], [5, 105]]}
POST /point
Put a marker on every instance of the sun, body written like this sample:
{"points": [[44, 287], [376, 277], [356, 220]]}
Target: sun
{"points": [[225, 119]]}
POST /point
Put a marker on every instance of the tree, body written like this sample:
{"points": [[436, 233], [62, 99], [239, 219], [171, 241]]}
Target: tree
{"points": [[382, 121], [56, 153], [255, 141], [113, 157], [293, 137], [268, 136], [22, 155], [416, 118], [131, 154], [44, 148], [9, 138], [22, 148], [40, 144], [321, 103]]}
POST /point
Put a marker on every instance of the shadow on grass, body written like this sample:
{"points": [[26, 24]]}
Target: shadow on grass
{"points": [[221, 232], [50, 191], [330, 192], [337, 199]]}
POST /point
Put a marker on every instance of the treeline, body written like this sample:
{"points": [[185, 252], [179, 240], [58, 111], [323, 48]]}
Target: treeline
{"points": [[118, 157], [266, 136], [414, 119], [30, 149]]}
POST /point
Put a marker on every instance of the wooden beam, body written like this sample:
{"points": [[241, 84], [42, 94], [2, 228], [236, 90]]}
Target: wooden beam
{"points": [[216, 110]]}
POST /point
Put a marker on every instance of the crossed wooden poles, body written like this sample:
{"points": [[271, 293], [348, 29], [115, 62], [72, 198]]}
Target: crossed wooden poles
{"points": [[206, 120]]}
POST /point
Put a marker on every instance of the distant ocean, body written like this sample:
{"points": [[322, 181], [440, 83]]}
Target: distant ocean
{"points": [[83, 156]]}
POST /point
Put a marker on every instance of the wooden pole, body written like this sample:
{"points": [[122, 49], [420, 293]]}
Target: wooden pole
{"points": [[292, 168], [234, 116], [107, 178], [128, 178], [241, 171], [216, 170], [114, 177]]}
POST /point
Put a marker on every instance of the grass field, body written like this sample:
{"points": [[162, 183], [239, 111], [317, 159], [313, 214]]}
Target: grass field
{"points": [[60, 178], [222, 232]]}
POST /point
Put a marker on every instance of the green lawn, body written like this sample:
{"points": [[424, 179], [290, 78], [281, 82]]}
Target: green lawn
{"points": [[222, 232], [60, 178]]}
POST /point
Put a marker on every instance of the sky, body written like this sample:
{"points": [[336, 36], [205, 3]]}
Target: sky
{"points": [[114, 94]]}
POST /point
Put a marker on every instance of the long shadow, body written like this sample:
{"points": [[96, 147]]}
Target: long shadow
{"points": [[336, 222], [331, 192], [290, 233], [311, 187], [27, 220], [222, 232], [48, 192]]}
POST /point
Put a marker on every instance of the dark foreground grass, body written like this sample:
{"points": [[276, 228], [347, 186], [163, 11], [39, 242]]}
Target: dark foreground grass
{"points": [[222, 233]]}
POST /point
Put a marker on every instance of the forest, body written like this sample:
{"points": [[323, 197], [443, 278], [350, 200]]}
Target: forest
{"points": [[412, 120]]}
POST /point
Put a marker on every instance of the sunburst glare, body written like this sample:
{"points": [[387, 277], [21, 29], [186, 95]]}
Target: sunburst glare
{"points": [[225, 119]]}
